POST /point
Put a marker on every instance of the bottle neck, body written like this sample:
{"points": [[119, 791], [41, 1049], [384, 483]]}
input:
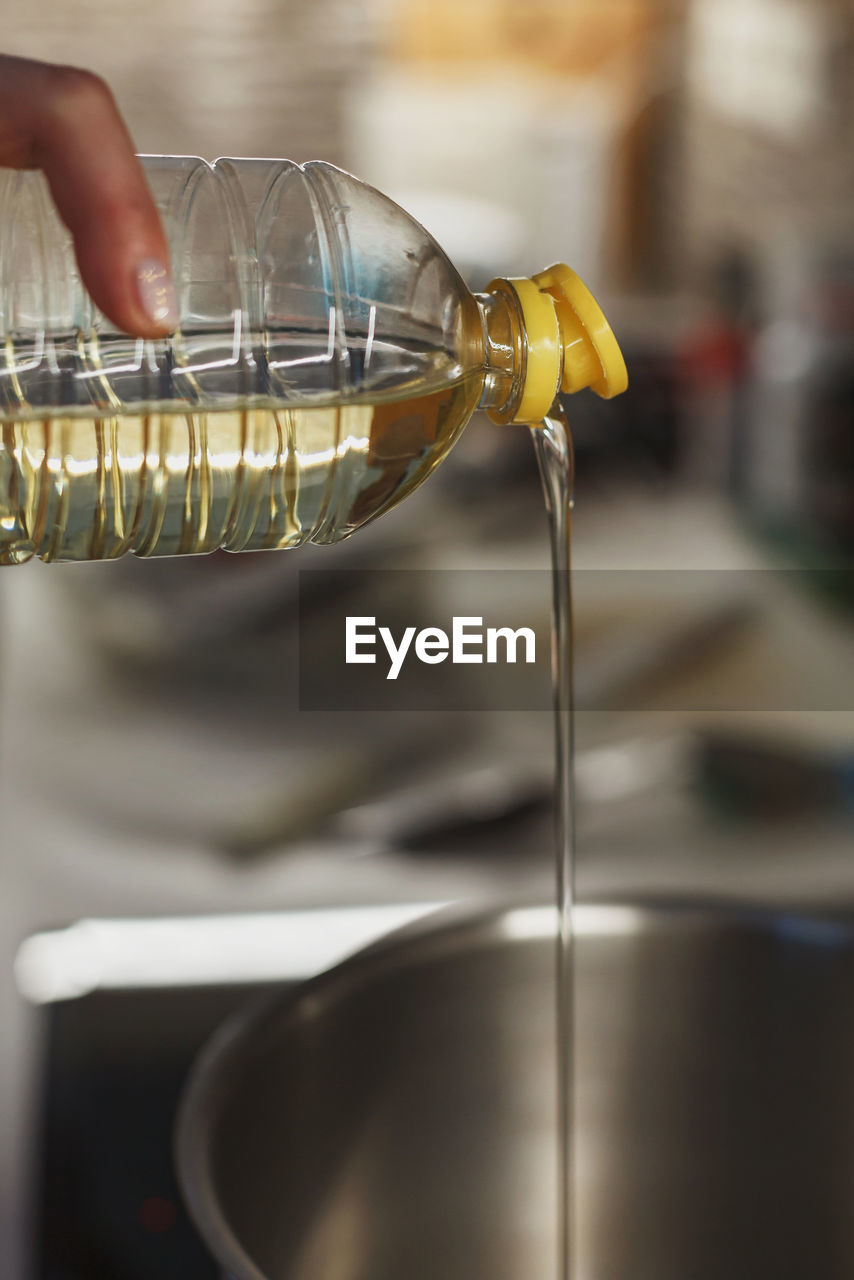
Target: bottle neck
{"points": [[539, 336], [504, 353]]}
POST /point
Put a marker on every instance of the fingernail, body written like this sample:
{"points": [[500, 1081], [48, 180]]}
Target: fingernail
{"points": [[156, 292]]}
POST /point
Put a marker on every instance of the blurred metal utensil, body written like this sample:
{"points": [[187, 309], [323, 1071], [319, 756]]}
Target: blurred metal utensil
{"points": [[396, 1117]]}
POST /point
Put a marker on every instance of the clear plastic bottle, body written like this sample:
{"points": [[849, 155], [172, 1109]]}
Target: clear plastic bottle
{"points": [[328, 357]]}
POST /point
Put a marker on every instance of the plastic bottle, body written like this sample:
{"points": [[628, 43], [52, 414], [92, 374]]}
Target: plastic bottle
{"points": [[328, 357]]}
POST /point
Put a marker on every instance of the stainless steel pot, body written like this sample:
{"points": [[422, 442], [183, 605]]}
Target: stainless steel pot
{"points": [[394, 1120]]}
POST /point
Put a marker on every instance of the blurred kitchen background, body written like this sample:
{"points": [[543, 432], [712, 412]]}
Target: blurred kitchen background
{"points": [[693, 160]]}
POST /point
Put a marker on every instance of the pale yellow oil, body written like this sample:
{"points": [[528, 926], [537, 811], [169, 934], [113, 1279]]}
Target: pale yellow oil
{"points": [[251, 479], [553, 444]]}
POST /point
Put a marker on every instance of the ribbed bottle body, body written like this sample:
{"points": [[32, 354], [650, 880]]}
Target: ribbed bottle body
{"points": [[327, 358]]}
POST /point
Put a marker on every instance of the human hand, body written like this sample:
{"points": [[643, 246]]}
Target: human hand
{"points": [[65, 121]]}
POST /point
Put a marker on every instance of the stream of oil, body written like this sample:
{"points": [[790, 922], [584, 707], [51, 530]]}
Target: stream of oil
{"points": [[553, 445]]}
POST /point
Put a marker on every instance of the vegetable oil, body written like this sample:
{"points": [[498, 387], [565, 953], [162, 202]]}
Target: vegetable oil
{"points": [[160, 484], [327, 356]]}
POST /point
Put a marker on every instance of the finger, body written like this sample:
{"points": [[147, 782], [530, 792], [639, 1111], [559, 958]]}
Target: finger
{"points": [[65, 121]]}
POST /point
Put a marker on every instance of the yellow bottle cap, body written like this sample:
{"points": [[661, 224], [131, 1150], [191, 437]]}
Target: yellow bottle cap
{"points": [[569, 343]]}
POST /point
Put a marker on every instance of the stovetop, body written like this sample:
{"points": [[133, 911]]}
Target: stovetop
{"points": [[107, 1204], [123, 1007]]}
